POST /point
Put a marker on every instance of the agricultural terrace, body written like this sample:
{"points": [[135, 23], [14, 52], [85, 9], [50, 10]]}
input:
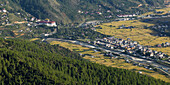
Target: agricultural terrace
{"points": [[165, 11], [35, 39], [138, 33], [100, 59], [165, 50]]}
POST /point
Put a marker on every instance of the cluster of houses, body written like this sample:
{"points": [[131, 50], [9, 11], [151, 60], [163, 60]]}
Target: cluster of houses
{"points": [[124, 19], [166, 44], [91, 13], [46, 22], [28, 21], [4, 18], [107, 14], [91, 23], [99, 12], [125, 27], [161, 28], [130, 47], [157, 15], [130, 15]]}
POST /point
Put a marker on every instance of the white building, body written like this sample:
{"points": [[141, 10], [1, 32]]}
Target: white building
{"points": [[4, 10], [47, 23]]}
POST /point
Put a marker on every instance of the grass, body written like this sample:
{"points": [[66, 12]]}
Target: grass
{"points": [[34, 39], [100, 59], [69, 46], [14, 18], [139, 34]]}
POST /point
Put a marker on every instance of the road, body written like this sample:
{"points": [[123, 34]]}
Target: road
{"points": [[140, 60]]}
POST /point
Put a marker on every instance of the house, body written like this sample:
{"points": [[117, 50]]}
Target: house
{"points": [[22, 22], [46, 35], [108, 11], [135, 42], [20, 31], [38, 20], [79, 11], [127, 61], [33, 18], [92, 56], [0, 32], [151, 54], [4, 10], [111, 47], [47, 23], [150, 68], [161, 55], [140, 5], [167, 43]]}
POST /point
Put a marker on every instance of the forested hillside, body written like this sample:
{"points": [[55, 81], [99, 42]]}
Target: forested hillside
{"points": [[65, 11], [23, 62]]}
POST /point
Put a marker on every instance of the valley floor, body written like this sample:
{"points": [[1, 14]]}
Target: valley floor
{"points": [[98, 57], [145, 37]]}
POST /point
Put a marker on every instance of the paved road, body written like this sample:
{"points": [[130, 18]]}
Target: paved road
{"points": [[158, 66]]}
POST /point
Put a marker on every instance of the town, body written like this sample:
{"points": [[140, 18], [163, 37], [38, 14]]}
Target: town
{"points": [[130, 47]]}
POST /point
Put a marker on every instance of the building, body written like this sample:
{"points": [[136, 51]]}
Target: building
{"points": [[47, 23], [4, 10], [22, 22], [33, 18]]}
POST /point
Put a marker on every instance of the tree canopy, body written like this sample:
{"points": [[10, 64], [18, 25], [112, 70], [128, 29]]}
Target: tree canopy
{"points": [[24, 62]]}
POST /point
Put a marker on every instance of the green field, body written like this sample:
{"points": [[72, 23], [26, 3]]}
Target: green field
{"points": [[100, 59]]}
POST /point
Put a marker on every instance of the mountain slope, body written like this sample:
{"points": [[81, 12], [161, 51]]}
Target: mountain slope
{"points": [[65, 11], [23, 62]]}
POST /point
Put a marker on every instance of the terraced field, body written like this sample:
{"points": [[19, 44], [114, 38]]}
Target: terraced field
{"points": [[97, 57], [34, 39], [165, 50], [138, 33], [165, 10]]}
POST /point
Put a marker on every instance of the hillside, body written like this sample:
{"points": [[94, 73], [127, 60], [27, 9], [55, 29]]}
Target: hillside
{"points": [[24, 62], [66, 11]]}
